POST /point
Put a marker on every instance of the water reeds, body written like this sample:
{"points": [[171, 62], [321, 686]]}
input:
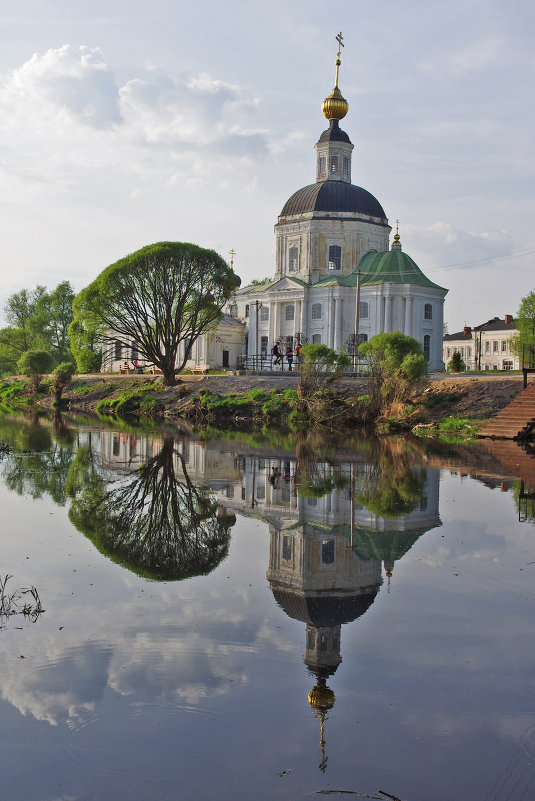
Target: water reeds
{"points": [[23, 601]]}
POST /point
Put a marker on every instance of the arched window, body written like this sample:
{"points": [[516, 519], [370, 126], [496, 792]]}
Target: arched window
{"points": [[427, 347], [363, 310], [293, 259], [316, 311], [334, 165], [335, 257], [428, 311], [290, 311]]}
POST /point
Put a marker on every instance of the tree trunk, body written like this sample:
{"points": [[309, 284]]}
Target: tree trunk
{"points": [[169, 378]]}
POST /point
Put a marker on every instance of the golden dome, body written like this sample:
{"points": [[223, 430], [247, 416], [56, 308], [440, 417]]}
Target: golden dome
{"points": [[321, 698], [335, 107]]}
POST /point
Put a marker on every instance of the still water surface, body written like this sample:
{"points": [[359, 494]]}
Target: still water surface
{"points": [[233, 619]]}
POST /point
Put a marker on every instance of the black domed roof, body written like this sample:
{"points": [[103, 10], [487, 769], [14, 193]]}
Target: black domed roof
{"points": [[323, 610], [334, 134], [333, 196]]}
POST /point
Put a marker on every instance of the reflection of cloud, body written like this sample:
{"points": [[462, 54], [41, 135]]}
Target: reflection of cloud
{"points": [[67, 688], [161, 662], [189, 668]]}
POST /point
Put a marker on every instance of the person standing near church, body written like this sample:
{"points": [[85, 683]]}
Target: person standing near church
{"points": [[290, 357]]}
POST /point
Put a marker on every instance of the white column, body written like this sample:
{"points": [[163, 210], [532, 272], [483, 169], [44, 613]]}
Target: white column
{"points": [[271, 332], [297, 317], [338, 332], [408, 316], [304, 314], [332, 321], [388, 313]]}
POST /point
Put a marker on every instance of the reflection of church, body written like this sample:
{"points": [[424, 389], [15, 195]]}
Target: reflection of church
{"points": [[327, 552]]}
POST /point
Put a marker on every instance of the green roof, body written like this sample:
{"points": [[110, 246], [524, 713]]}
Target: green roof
{"points": [[391, 267]]}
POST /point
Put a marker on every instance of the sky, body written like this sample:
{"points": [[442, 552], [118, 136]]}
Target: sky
{"points": [[124, 123]]}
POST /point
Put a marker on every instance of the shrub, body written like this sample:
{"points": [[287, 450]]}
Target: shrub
{"points": [[397, 369], [61, 378], [456, 364], [34, 364]]}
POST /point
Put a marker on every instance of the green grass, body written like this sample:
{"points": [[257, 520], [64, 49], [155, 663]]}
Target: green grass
{"points": [[140, 401]]}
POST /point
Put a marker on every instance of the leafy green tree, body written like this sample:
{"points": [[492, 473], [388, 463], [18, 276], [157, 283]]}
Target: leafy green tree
{"points": [[157, 298], [456, 363], [34, 364], [525, 323], [20, 311], [53, 315], [319, 367], [61, 378], [85, 341], [397, 368]]}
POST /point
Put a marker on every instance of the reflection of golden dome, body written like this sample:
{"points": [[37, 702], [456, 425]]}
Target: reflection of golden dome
{"points": [[321, 697], [335, 107]]}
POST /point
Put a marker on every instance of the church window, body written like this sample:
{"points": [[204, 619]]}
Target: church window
{"points": [[335, 257], [322, 165], [316, 339], [287, 543], [327, 552], [289, 312], [293, 257], [362, 338], [346, 167], [504, 346], [495, 346], [260, 492], [316, 311], [461, 351], [247, 310], [468, 352], [118, 349], [428, 311], [233, 310], [427, 347], [264, 313], [334, 165], [363, 310], [263, 346]]}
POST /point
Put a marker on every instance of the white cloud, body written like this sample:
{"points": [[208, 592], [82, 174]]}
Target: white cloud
{"points": [[455, 246]]}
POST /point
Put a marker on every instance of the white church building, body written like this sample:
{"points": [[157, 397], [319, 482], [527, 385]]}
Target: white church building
{"points": [[332, 245], [325, 233]]}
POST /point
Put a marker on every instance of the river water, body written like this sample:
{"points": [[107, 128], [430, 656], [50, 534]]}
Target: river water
{"points": [[263, 617]]}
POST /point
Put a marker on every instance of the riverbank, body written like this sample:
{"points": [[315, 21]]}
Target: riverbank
{"points": [[458, 402]]}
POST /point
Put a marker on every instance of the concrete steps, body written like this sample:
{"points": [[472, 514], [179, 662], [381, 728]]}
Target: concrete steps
{"points": [[516, 421]]}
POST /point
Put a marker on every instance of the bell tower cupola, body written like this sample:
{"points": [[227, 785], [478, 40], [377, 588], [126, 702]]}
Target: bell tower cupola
{"points": [[333, 149]]}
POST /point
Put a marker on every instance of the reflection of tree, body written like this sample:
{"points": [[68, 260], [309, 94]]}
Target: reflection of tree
{"points": [[391, 487], [314, 478], [155, 522], [34, 464]]}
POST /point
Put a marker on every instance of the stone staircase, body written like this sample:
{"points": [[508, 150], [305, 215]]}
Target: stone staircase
{"points": [[516, 421]]}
